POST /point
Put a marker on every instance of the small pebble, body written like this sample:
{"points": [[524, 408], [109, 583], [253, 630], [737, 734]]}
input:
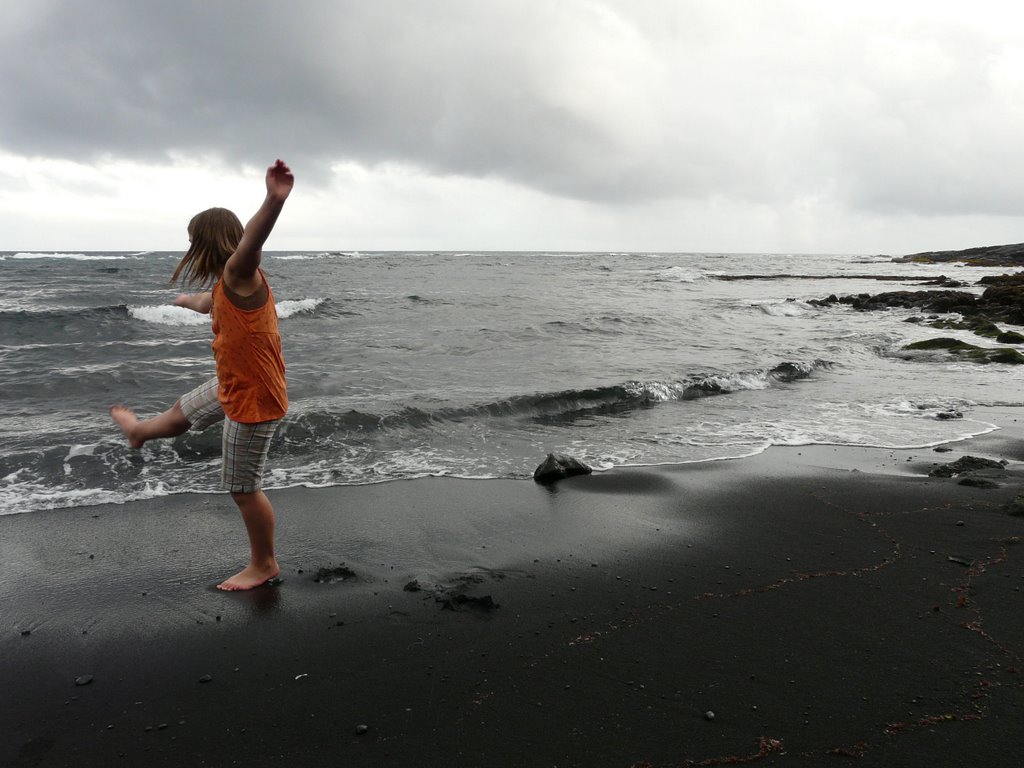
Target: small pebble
{"points": [[205, 678], [362, 729], [709, 715], [83, 680]]}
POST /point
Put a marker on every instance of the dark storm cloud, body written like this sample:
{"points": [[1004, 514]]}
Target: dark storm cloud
{"points": [[604, 101], [456, 88]]}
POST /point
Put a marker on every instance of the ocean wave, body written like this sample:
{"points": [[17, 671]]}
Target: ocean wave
{"points": [[415, 298], [677, 274], [788, 308], [564, 406], [317, 256], [69, 256], [169, 314], [292, 307], [51, 313]]}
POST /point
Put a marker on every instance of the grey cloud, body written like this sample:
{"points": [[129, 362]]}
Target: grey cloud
{"points": [[611, 102], [452, 87]]}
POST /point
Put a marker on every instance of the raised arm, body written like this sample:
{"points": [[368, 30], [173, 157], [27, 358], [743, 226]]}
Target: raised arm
{"points": [[240, 270], [197, 302]]}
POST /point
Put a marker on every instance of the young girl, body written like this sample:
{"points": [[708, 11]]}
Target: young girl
{"points": [[249, 393]]}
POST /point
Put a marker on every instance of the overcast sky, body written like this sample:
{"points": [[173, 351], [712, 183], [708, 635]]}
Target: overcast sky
{"points": [[647, 125]]}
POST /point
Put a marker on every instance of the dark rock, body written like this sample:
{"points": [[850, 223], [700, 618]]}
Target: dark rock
{"points": [[1016, 507], [205, 678], [970, 351], [558, 466], [362, 730], [83, 680], [1010, 337], [948, 415], [965, 464], [942, 449], [412, 586], [986, 255], [1002, 301], [459, 600], [329, 574], [974, 481]]}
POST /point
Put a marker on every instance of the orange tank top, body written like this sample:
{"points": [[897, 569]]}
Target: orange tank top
{"points": [[250, 366]]}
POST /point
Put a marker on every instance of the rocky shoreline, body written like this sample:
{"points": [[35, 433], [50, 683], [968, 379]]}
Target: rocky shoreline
{"points": [[1001, 302], [981, 256]]}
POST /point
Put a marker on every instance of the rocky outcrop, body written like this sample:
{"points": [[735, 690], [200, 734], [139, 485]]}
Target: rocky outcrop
{"points": [[969, 351], [984, 256], [1003, 300], [966, 464]]}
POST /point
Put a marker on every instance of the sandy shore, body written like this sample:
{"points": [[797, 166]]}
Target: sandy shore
{"points": [[820, 602]]}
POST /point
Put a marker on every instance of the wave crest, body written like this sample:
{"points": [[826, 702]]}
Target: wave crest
{"points": [[564, 406]]}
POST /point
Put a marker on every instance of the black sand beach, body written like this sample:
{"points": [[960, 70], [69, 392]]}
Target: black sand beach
{"points": [[805, 607]]}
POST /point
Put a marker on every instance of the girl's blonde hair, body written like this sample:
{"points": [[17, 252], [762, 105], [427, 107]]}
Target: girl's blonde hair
{"points": [[215, 234]]}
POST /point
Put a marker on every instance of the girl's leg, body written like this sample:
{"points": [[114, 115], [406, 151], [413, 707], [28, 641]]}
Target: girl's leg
{"points": [[245, 448], [170, 423], [258, 515]]}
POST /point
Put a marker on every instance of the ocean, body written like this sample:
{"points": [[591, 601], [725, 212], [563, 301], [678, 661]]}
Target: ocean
{"points": [[476, 365]]}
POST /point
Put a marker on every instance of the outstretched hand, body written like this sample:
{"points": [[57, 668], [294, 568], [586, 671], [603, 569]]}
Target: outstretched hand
{"points": [[279, 180]]}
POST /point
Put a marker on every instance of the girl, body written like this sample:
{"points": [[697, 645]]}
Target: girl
{"points": [[249, 393]]}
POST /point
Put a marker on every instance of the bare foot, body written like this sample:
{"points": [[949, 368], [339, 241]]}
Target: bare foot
{"points": [[126, 420], [249, 577]]}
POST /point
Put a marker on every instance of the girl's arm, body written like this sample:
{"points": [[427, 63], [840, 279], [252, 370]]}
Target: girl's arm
{"points": [[197, 302], [240, 270]]}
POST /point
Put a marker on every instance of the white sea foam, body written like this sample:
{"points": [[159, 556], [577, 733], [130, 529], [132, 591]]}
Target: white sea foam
{"points": [[784, 308], [168, 314], [71, 256], [292, 307], [82, 450], [736, 382]]}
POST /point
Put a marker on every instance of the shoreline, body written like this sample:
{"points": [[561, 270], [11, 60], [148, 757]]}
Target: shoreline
{"points": [[157, 497], [819, 600]]}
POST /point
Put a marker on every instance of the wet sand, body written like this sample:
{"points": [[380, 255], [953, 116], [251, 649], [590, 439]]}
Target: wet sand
{"points": [[818, 602]]}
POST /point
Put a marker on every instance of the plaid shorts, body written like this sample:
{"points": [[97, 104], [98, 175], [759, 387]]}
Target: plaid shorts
{"points": [[244, 447]]}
